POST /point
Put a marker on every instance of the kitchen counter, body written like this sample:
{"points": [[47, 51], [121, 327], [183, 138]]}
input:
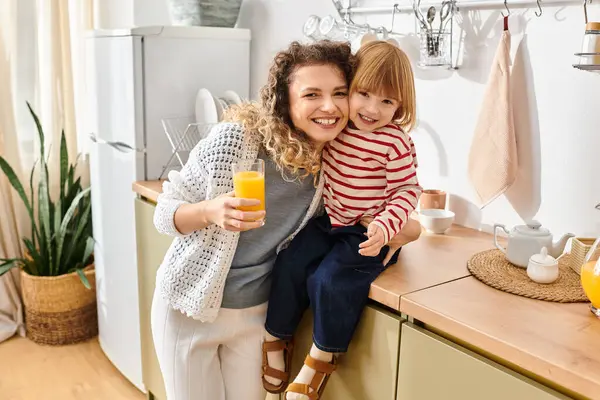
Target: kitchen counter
{"points": [[430, 261], [558, 342], [148, 189]]}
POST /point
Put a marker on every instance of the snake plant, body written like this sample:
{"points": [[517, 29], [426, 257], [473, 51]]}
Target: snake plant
{"points": [[61, 229]]}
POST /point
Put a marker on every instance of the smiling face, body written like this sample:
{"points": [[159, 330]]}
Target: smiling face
{"points": [[383, 88], [318, 96], [370, 111]]}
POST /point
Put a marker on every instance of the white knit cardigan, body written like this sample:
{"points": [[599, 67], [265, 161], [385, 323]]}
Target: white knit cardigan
{"points": [[192, 275]]}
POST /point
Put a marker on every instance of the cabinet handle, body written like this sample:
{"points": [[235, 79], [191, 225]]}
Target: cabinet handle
{"points": [[119, 146]]}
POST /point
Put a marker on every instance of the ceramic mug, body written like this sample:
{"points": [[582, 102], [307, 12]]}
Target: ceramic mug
{"points": [[432, 198]]}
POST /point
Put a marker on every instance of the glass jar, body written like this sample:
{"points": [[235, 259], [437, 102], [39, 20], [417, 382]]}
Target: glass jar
{"points": [[590, 277], [435, 48], [590, 46]]}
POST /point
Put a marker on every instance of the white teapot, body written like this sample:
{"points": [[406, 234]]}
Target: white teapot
{"points": [[527, 240]]}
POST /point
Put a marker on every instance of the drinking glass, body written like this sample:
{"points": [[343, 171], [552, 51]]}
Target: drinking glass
{"points": [[590, 277], [249, 182]]}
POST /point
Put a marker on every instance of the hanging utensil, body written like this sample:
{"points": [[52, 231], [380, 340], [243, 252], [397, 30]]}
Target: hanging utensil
{"points": [[444, 13], [431, 17], [419, 14]]}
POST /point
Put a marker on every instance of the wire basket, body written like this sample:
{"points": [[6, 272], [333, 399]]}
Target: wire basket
{"points": [[183, 134]]}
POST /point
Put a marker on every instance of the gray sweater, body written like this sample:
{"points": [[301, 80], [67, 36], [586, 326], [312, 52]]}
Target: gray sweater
{"points": [[249, 279]]}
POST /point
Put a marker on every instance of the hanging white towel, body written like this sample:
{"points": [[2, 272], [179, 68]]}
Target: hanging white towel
{"points": [[493, 156]]}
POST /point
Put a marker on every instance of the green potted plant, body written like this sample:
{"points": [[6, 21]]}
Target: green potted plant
{"points": [[57, 274]]}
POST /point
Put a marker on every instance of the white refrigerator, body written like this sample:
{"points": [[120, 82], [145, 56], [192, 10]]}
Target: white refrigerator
{"points": [[137, 77]]}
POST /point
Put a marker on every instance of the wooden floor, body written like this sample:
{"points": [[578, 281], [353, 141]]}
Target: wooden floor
{"points": [[81, 371]]}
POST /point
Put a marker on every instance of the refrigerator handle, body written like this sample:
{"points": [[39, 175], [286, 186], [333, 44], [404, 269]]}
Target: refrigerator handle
{"points": [[119, 146]]}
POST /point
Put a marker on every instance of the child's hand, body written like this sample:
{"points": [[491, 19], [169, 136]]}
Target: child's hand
{"points": [[372, 246]]}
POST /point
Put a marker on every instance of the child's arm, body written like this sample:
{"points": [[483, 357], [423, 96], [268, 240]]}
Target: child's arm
{"points": [[402, 191]]}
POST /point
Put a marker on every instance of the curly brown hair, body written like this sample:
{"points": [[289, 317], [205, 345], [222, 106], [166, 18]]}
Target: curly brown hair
{"points": [[290, 148]]}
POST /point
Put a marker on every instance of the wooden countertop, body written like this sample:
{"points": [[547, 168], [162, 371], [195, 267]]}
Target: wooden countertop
{"points": [[430, 261], [148, 189], [558, 342]]}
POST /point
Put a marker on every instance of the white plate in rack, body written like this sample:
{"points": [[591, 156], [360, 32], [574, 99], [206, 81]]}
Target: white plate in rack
{"points": [[232, 97], [206, 109]]}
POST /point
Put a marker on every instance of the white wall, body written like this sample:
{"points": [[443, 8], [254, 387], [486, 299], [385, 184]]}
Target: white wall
{"points": [[115, 14], [557, 108]]}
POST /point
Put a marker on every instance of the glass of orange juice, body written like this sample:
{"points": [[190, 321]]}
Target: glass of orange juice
{"points": [[590, 277], [249, 182]]}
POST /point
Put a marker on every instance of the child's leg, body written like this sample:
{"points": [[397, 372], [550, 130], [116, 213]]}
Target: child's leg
{"points": [[289, 297], [338, 291]]}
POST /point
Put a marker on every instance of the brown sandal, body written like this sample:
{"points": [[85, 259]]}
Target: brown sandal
{"points": [[284, 376], [314, 390]]}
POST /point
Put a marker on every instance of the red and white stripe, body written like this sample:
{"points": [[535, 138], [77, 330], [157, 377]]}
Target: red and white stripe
{"points": [[371, 174]]}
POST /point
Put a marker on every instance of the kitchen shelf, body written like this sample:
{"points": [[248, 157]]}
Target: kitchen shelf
{"points": [[587, 67]]}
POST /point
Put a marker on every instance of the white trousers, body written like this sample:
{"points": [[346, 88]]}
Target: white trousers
{"points": [[210, 361]]}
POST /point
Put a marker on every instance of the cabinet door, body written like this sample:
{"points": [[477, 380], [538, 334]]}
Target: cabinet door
{"points": [[432, 367], [368, 370], [151, 249]]}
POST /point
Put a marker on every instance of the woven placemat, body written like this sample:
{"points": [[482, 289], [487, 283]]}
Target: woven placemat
{"points": [[491, 268]]}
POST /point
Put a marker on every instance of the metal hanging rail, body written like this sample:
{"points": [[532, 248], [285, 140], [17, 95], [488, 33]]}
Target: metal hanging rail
{"points": [[465, 4]]}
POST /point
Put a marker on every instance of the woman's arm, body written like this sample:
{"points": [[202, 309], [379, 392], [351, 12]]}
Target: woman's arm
{"points": [[182, 209]]}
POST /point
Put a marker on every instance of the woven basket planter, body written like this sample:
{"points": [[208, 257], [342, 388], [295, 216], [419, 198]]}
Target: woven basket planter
{"points": [[60, 310]]}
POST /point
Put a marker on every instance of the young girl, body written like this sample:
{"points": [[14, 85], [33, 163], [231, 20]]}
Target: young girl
{"points": [[368, 170]]}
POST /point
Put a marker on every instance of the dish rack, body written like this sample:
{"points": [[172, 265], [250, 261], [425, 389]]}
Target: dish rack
{"points": [[183, 134]]}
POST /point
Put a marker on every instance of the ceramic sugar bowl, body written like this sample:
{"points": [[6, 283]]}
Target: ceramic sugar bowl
{"points": [[542, 268]]}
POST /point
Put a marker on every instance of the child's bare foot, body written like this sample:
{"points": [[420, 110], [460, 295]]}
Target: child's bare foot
{"points": [[276, 361], [306, 374]]}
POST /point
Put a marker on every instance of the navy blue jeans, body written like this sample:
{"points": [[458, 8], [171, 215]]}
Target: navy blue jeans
{"points": [[322, 268]]}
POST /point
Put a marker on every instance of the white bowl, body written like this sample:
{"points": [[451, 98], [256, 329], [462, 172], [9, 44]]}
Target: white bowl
{"points": [[435, 220]]}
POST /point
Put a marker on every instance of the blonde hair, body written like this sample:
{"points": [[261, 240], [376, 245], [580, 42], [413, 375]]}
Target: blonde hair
{"points": [[290, 148], [384, 69]]}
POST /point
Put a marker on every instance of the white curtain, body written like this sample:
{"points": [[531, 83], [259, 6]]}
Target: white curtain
{"points": [[41, 62]]}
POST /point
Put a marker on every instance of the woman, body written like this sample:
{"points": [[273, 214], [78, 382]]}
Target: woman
{"points": [[209, 307]]}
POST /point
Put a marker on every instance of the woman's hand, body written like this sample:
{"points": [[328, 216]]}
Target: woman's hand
{"points": [[223, 211]]}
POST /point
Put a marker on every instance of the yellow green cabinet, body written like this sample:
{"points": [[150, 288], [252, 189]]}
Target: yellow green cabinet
{"points": [[368, 370], [432, 367], [151, 249]]}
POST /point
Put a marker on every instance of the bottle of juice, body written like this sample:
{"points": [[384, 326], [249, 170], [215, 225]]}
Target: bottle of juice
{"points": [[590, 277]]}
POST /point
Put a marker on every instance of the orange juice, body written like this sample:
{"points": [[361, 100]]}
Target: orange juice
{"points": [[590, 281], [250, 185]]}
